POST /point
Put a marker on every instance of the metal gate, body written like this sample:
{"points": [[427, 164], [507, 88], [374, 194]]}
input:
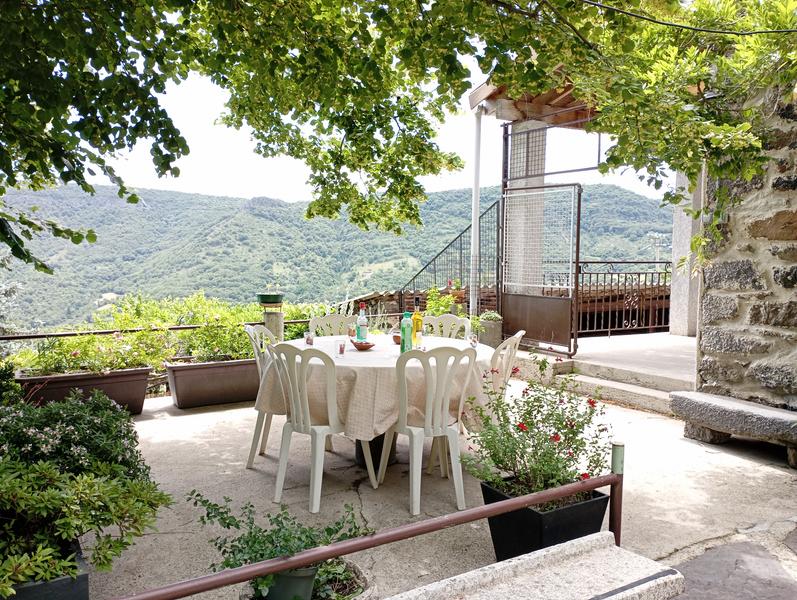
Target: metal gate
{"points": [[540, 264]]}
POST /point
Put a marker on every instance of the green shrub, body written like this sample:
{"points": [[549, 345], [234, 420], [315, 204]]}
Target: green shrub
{"points": [[284, 536], [43, 508], [436, 304], [95, 353], [220, 336], [548, 437], [66, 469], [491, 315], [10, 390], [80, 434]]}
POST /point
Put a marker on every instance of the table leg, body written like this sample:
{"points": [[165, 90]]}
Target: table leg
{"points": [[376, 451]]}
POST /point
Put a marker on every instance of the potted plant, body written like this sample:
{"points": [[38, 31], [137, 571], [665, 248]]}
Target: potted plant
{"points": [[546, 438], [272, 295], [456, 291], [117, 364], [284, 536], [491, 324], [68, 468], [214, 363]]}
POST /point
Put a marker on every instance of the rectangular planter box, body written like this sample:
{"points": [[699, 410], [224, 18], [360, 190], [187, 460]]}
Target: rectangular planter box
{"points": [[223, 382], [525, 530], [493, 333], [126, 387], [62, 588]]}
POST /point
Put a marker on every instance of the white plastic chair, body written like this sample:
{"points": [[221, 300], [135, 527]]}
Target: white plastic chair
{"points": [[261, 337], [333, 324], [293, 364], [504, 359], [447, 326], [440, 368], [501, 364]]}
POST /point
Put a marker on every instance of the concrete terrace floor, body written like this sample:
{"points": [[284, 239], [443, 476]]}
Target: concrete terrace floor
{"points": [[659, 354], [682, 498]]}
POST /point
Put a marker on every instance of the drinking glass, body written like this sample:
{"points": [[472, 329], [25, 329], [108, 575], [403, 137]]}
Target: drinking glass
{"points": [[352, 330], [420, 347], [473, 339], [308, 338], [340, 348]]}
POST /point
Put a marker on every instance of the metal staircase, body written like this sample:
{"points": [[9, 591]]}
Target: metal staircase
{"points": [[452, 263]]}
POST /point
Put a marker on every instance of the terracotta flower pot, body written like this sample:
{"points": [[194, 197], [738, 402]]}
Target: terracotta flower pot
{"points": [[221, 382], [126, 387]]}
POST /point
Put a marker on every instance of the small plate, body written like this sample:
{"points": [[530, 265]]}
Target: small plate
{"points": [[361, 345]]}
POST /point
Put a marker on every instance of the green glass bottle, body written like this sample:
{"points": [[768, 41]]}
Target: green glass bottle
{"points": [[406, 332]]}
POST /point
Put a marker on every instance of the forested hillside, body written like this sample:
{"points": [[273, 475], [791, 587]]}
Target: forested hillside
{"points": [[174, 243]]}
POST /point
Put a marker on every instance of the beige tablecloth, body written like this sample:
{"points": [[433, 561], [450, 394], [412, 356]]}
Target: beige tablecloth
{"points": [[367, 393]]}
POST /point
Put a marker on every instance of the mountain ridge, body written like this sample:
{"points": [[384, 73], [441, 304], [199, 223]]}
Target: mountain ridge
{"points": [[174, 243]]}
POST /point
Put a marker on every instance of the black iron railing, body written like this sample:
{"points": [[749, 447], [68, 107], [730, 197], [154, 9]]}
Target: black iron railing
{"points": [[452, 263], [618, 296]]}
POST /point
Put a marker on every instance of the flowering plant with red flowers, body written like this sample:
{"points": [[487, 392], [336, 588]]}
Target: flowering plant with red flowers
{"points": [[544, 438]]}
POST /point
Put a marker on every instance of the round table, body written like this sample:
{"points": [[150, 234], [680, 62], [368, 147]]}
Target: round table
{"points": [[367, 394]]}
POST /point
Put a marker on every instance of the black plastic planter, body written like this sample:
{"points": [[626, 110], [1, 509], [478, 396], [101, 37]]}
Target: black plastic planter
{"points": [[270, 298], [62, 588], [525, 530]]}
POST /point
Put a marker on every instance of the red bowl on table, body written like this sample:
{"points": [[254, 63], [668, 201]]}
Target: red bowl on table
{"points": [[361, 345]]}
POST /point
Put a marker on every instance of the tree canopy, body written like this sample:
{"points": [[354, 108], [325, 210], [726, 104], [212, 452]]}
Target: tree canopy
{"points": [[79, 83], [356, 88]]}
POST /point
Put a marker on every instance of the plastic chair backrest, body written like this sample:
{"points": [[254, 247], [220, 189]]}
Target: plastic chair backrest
{"points": [[447, 326], [293, 367], [331, 324], [504, 359], [261, 337], [441, 366]]}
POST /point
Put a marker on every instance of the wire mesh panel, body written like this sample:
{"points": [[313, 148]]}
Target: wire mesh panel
{"points": [[540, 240]]}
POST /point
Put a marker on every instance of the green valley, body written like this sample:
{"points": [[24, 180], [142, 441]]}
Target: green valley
{"points": [[172, 244]]}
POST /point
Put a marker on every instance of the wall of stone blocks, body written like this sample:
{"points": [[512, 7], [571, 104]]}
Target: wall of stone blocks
{"points": [[748, 305]]}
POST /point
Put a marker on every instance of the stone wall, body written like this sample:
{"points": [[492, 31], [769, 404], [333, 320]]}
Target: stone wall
{"points": [[748, 320]]}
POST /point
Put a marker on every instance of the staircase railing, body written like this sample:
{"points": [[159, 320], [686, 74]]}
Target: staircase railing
{"points": [[452, 263]]}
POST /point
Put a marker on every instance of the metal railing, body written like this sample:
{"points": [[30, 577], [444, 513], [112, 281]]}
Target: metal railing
{"points": [[237, 575], [452, 263], [40, 335], [618, 296]]}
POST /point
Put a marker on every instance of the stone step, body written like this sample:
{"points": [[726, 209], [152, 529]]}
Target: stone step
{"points": [[588, 567], [627, 394], [643, 379], [713, 419]]}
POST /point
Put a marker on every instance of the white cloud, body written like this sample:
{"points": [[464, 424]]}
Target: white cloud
{"points": [[222, 160]]}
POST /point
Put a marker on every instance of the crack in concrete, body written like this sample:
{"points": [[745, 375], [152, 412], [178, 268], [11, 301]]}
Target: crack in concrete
{"points": [[708, 542], [355, 485]]}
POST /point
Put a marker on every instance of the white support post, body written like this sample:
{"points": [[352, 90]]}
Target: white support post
{"points": [[473, 299]]}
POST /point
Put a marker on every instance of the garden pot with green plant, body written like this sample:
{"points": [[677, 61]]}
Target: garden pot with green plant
{"points": [[218, 365], [546, 438], [118, 365], [284, 536], [492, 325], [67, 469]]}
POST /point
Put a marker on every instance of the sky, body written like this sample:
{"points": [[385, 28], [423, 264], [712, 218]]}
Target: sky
{"points": [[222, 160]]}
